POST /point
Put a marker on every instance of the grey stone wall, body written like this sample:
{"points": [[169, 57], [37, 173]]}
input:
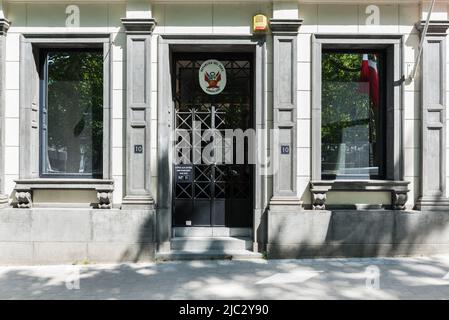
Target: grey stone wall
{"points": [[433, 118], [357, 233], [55, 236], [285, 33], [4, 25], [138, 113]]}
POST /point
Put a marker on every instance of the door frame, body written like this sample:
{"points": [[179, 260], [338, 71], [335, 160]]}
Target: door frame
{"points": [[213, 202], [167, 44]]}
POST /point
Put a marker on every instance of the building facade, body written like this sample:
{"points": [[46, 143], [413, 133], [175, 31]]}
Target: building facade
{"points": [[142, 130]]}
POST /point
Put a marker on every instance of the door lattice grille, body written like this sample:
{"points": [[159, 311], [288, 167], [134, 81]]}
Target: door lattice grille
{"points": [[217, 194]]}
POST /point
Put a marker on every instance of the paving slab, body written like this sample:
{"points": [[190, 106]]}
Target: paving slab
{"points": [[383, 278]]}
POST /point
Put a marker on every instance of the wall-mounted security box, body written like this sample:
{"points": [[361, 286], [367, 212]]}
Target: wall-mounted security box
{"points": [[260, 23]]}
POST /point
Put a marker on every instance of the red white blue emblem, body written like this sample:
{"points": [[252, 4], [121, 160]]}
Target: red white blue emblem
{"points": [[212, 77]]}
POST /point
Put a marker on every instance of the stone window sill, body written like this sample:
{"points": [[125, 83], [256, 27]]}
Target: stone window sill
{"points": [[398, 189], [24, 189]]}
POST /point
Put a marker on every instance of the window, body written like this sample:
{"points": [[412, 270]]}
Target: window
{"points": [[357, 119], [71, 99], [353, 114]]}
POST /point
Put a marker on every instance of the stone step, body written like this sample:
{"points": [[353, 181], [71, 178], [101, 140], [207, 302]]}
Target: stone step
{"points": [[208, 255], [211, 243], [211, 232]]}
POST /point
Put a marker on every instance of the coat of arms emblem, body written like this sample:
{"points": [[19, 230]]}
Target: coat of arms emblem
{"points": [[212, 77]]}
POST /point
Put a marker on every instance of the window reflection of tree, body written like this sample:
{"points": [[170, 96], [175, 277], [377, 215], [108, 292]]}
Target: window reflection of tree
{"points": [[349, 119], [75, 112]]}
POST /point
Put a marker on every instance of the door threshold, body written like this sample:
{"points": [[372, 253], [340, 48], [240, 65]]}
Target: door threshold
{"points": [[211, 232]]}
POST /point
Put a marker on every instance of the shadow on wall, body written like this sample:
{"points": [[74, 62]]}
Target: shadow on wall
{"points": [[262, 231], [363, 233], [358, 234], [151, 231], [146, 248]]}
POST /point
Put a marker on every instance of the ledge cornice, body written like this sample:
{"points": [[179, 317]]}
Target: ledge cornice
{"points": [[61, 183], [139, 25], [4, 26], [399, 190], [285, 25], [359, 185], [24, 189], [436, 27]]}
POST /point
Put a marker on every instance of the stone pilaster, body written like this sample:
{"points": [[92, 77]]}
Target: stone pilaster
{"points": [[4, 26], [285, 32], [138, 118], [433, 118]]}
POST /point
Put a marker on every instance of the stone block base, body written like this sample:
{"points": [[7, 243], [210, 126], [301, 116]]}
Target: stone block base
{"points": [[56, 236], [354, 233]]}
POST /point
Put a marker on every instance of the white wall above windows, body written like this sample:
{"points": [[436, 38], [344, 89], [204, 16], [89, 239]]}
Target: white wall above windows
{"points": [[229, 1]]}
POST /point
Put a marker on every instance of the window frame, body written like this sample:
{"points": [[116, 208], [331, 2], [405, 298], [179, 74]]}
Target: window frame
{"points": [[392, 45], [383, 112], [32, 46], [43, 100]]}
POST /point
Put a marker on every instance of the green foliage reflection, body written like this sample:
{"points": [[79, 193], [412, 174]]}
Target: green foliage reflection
{"points": [[75, 112]]}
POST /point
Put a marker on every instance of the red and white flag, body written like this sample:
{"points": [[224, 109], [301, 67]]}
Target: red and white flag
{"points": [[370, 79]]}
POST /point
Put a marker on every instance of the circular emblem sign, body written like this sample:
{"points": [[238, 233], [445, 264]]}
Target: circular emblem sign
{"points": [[212, 77]]}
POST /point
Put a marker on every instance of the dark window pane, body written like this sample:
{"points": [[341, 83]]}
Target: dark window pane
{"points": [[72, 117], [352, 130]]}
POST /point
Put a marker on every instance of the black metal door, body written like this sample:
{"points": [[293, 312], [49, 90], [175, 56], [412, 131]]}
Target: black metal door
{"points": [[211, 194]]}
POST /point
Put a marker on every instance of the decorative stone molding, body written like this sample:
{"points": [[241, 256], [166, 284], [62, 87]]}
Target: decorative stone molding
{"points": [[104, 199], [393, 128], [138, 25], [285, 193], [168, 43], [319, 195], [3, 201], [24, 199], [4, 26], [138, 113], [398, 189], [318, 200], [433, 117], [29, 106], [429, 203], [283, 201], [398, 199], [436, 27], [285, 25], [24, 189]]}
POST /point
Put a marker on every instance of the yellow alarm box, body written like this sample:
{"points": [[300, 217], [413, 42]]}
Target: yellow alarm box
{"points": [[260, 23]]}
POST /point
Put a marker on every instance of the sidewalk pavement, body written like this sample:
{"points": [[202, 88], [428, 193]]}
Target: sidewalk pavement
{"points": [[381, 278]]}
